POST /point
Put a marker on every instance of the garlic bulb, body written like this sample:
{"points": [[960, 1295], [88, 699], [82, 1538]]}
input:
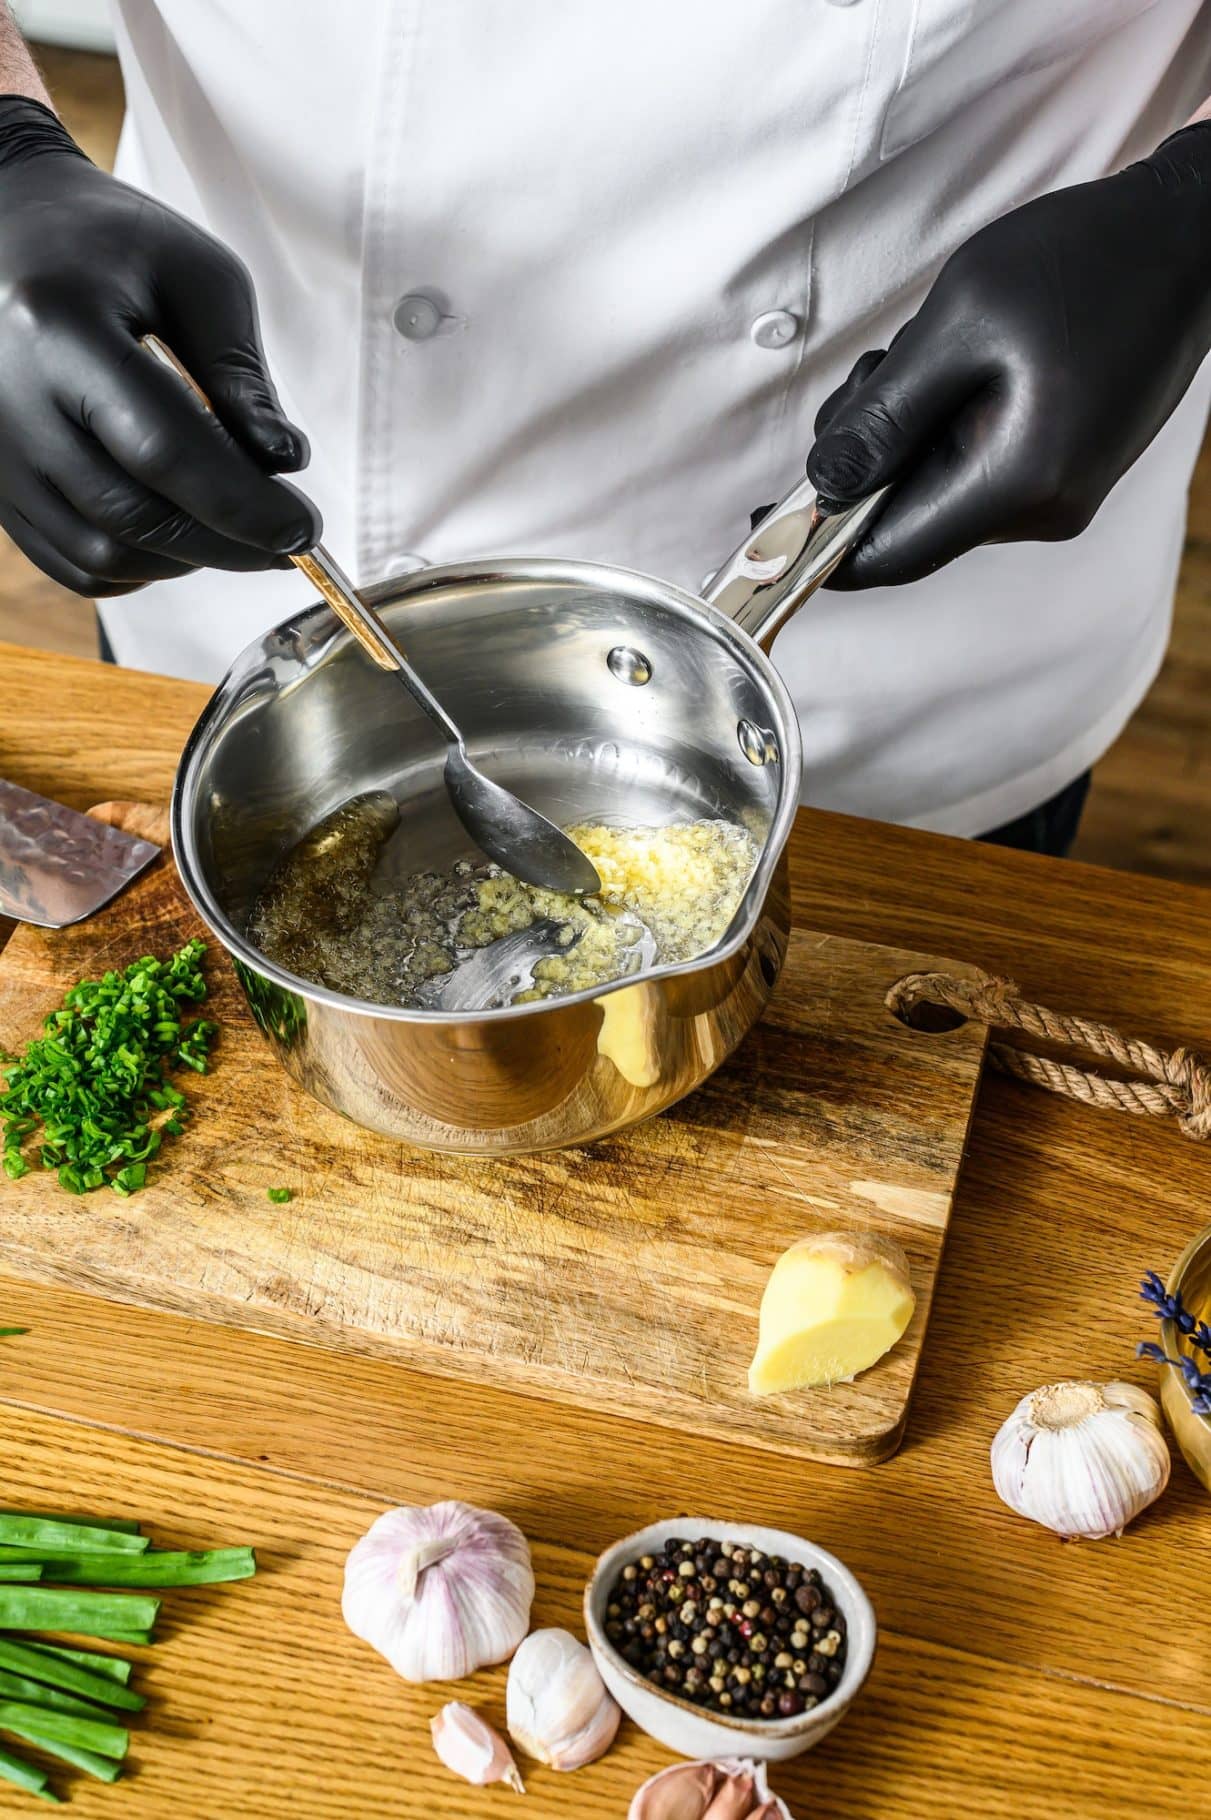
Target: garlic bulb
{"points": [[468, 1745], [556, 1703], [731, 1789], [440, 1589], [1082, 1459]]}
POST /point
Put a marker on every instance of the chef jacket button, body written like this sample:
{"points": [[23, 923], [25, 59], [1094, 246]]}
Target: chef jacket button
{"points": [[775, 329], [416, 317], [406, 563]]}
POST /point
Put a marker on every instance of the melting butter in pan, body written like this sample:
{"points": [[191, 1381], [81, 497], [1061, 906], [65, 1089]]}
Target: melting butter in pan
{"points": [[323, 917]]}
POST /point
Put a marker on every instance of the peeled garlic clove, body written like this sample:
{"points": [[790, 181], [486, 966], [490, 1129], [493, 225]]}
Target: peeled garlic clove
{"points": [[1082, 1459], [468, 1745], [440, 1589], [556, 1703], [697, 1789], [681, 1793]]}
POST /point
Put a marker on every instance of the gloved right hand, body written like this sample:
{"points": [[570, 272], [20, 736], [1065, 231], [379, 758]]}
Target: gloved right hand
{"points": [[112, 473]]}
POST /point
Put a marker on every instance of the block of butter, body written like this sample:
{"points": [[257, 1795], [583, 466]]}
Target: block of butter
{"points": [[833, 1305]]}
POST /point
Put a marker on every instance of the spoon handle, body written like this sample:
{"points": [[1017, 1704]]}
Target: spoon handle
{"points": [[326, 575]]}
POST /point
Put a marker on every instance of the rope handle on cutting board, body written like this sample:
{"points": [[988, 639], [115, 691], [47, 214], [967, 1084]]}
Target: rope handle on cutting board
{"points": [[1162, 1083]]}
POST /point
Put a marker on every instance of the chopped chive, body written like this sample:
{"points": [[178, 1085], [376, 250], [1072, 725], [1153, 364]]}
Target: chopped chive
{"points": [[41, 1662], [20, 1687], [87, 1760], [111, 1616], [63, 1728], [166, 1567], [129, 1526], [57, 1537], [81, 1098], [129, 1639], [6, 1331], [25, 1775], [20, 1570], [281, 1195], [111, 1668]]}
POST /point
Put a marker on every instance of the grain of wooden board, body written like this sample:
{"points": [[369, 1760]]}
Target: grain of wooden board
{"points": [[626, 1276]]}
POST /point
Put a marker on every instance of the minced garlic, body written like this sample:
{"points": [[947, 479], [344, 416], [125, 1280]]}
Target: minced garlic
{"points": [[668, 894]]}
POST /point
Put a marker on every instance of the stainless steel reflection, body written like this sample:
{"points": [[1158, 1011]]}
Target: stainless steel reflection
{"points": [[506, 829], [521, 651]]}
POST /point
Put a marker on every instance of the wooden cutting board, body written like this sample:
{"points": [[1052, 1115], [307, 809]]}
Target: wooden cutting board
{"points": [[626, 1275]]}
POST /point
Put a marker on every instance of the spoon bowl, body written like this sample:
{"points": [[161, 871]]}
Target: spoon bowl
{"points": [[517, 837]]}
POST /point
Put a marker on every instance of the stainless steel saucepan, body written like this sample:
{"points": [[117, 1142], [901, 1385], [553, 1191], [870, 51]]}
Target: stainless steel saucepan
{"points": [[595, 694]]}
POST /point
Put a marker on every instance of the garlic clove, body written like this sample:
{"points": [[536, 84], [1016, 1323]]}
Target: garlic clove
{"points": [[681, 1793], [556, 1703], [1082, 1459], [698, 1788], [440, 1589], [733, 1799], [468, 1745]]}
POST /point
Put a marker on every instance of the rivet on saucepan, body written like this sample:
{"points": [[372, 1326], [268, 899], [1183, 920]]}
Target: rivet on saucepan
{"points": [[629, 665]]}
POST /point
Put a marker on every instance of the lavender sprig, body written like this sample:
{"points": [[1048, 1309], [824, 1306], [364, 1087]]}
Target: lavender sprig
{"points": [[1172, 1308], [1197, 1382]]}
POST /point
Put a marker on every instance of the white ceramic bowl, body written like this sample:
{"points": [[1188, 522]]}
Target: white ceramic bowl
{"points": [[691, 1730]]}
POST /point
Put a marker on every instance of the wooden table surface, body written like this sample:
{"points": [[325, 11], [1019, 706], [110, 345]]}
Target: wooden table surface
{"points": [[1016, 1675]]}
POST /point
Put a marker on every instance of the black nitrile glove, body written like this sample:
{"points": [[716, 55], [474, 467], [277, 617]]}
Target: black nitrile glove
{"points": [[112, 473], [1049, 352]]}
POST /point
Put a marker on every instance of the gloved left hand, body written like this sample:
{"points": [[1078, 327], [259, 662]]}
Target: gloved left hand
{"points": [[1050, 350]]}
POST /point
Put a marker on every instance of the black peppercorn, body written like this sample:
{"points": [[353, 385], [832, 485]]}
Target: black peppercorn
{"points": [[728, 1627]]}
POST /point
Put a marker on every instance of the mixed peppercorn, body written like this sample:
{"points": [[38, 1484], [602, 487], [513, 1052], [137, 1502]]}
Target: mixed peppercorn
{"points": [[729, 1628]]}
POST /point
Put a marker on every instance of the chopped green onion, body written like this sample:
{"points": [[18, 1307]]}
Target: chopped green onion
{"points": [[51, 1536], [98, 1735], [6, 1331], [112, 1668], [281, 1195], [129, 1639], [25, 1775], [85, 1614], [82, 1097], [128, 1525], [42, 1662], [87, 1760], [20, 1687], [167, 1567], [20, 1570]]}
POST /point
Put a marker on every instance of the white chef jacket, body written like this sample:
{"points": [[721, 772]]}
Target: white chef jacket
{"points": [[640, 242]]}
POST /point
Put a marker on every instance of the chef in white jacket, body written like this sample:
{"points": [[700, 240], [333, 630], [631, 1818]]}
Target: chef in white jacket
{"points": [[562, 278]]}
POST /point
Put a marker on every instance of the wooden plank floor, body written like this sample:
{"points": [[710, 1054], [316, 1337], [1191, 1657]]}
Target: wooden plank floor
{"points": [[1150, 807]]}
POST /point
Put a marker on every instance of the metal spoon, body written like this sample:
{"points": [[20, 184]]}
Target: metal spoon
{"points": [[517, 837], [495, 974]]}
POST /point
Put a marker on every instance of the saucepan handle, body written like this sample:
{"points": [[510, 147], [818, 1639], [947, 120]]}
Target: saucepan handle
{"points": [[794, 548]]}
